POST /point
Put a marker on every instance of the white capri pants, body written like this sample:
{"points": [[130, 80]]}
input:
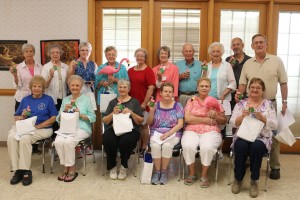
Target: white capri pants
{"points": [[20, 151], [65, 146], [165, 149], [208, 142]]}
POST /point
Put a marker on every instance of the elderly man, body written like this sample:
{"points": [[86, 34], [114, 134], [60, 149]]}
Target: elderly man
{"points": [[237, 61], [271, 70], [190, 71]]}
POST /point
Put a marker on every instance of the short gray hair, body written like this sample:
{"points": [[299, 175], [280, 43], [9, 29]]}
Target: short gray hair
{"points": [[142, 50], [165, 48], [27, 46], [52, 46], [76, 77], [85, 44], [216, 44], [110, 48], [124, 81]]}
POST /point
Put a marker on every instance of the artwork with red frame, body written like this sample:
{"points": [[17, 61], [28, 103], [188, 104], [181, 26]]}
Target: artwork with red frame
{"points": [[70, 50]]}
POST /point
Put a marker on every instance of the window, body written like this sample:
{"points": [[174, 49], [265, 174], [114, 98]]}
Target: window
{"points": [[238, 23], [288, 51], [180, 26], [122, 29]]}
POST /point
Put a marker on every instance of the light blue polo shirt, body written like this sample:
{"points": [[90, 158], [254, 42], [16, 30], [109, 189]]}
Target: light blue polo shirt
{"points": [[190, 84]]}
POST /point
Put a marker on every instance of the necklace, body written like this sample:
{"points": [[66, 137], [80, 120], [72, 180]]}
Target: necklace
{"points": [[254, 105]]}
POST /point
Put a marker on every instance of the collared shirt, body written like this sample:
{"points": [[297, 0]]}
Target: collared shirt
{"points": [[170, 75], [24, 77], [271, 71], [122, 73], [237, 68], [225, 78], [190, 84], [53, 89]]}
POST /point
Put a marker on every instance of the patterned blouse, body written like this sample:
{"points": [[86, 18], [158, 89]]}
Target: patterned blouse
{"points": [[165, 119], [88, 73], [199, 109], [267, 110]]}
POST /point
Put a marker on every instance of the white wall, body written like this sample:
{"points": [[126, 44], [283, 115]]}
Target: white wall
{"points": [[35, 20]]}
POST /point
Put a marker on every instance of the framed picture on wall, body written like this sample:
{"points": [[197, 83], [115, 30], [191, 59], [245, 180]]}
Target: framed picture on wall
{"points": [[69, 47], [11, 53]]}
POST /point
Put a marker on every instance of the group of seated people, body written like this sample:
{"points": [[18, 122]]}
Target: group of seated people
{"points": [[196, 125]]}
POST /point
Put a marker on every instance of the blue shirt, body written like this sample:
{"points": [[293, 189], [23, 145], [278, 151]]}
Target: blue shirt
{"points": [[104, 77], [44, 108], [84, 104], [190, 84], [88, 73], [214, 83]]}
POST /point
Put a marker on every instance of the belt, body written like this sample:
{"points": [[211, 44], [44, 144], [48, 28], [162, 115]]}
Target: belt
{"points": [[188, 93]]}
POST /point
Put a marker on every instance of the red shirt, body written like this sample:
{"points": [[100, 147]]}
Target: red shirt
{"points": [[140, 80]]}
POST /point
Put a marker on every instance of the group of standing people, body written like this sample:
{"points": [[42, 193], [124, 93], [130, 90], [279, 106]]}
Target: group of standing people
{"points": [[181, 110]]}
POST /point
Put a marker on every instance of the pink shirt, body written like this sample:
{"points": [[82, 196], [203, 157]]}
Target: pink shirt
{"points": [[198, 109], [170, 75], [24, 76]]}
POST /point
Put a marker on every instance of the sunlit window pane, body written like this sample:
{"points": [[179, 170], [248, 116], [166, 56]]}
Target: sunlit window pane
{"points": [[238, 23], [288, 50], [122, 29], [179, 26]]}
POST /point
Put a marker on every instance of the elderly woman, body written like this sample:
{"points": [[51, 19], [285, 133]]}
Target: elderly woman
{"points": [[84, 67], [165, 72], [19, 150], [22, 74], [105, 82], [142, 80], [262, 110], [66, 143], [124, 143], [55, 73], [166, 122], [222, 77], [202, 130]]}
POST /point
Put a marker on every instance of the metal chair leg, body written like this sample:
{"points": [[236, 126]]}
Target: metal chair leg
{"points": [[179, 165], [217, 165], [52, 157], [102, 160], [84, 159], [230, 163], [43, 152], [267, 172]]}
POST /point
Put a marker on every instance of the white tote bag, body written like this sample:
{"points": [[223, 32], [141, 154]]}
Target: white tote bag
{"points": [[25, 126], [69, 123], [250, 129], [146, 169], [104, 101], [91, 95], [122, 123]]}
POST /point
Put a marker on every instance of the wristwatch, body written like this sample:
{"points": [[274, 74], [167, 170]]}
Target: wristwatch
{"points": [[284, 101]]}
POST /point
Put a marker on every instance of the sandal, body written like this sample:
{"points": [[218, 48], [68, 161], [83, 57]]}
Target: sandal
{"points": [[204, 182], [190, 180], [63, 176], [71, 177]]}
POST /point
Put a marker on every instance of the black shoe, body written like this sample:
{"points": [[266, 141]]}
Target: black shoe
{"points": [[27, 178], [275, 174], [17, 178]]}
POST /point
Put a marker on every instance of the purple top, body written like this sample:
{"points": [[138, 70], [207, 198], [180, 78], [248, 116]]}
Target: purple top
{"points": [[165, 119]]}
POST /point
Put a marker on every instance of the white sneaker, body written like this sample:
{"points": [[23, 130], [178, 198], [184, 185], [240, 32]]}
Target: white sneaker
{"points": [[122, 173], [113, 173]]}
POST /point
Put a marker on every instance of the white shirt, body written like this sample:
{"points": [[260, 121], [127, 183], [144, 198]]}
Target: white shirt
{"points": [[24, 77], [53, 89]]}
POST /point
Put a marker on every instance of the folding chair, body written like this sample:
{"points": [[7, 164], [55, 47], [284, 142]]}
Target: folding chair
{"points": [[266, 156]]}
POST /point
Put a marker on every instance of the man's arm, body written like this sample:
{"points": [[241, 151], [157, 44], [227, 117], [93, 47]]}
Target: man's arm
{"points": [[284, 94]]}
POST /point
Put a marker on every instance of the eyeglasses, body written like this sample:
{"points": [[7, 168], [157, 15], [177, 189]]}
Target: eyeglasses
{"points": [[259, 43], [255, 88]]}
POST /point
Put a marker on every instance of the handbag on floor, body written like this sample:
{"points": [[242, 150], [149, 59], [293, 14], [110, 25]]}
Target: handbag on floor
{"points": [[146, 169]]}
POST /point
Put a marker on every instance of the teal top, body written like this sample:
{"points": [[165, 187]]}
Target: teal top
{"points": [[84, 104], [104, 77], [190, 84], [214, 83]]}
